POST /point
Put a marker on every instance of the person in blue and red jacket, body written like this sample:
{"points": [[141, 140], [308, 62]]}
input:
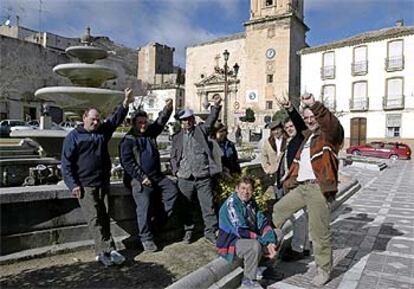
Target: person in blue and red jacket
{"points": [[245, 232]]}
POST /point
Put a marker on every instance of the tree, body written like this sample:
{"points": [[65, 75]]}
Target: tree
{"points": [[249, 117]]}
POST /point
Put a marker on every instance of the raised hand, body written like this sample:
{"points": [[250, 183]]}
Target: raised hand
{"points": [[283, 101], [307, 99], [169, 103], [129, 96], [217, 99]]}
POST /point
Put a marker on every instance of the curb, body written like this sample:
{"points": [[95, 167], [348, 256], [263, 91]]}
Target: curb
{"points": [[219, 274]]}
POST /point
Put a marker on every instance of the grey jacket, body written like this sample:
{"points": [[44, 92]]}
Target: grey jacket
{"points": [[201, 132]]}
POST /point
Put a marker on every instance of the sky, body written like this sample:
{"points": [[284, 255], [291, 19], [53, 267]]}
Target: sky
{"points": [[181, 23]]}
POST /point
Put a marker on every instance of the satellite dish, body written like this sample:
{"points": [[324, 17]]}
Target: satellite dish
{"points": [[7, 22]]}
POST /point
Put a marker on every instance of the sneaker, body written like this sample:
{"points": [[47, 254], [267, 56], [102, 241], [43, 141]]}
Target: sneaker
{"points": [[250, 284], [321, 278], [291, 255], [149, 246], [188, 237], [117, 258], [259, 272], [104, 258], [211, 238]]}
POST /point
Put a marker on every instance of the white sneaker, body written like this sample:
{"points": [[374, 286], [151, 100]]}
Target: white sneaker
{"points": [[105, 259], [321, 278], [117, 258]]}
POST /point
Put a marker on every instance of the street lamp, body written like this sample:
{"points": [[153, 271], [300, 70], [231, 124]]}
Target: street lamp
{"points": [[235, 71]]}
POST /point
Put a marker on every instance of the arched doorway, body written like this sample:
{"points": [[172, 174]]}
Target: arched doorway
{"points": [[358, 131]]}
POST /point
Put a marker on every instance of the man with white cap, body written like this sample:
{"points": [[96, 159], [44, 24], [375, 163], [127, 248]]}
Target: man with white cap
{"points": [[193, 163]]}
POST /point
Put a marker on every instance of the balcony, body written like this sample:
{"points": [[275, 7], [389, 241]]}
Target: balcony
{"points": [[394, 63], [359, 104], [328, 72], [359, 68], [393, 102]]}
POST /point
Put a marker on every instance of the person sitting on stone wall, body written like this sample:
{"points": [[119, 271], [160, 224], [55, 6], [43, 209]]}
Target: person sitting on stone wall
{"points": [[245, 232], [142, 171]]}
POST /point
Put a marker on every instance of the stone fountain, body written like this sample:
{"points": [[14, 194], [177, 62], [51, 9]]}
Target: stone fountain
{"points": [[87, 78]]}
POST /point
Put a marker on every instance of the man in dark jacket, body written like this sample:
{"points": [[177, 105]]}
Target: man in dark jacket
{"points": [[193, 163], [86, 167], [230, 158], [141, 162], [312, 181]]}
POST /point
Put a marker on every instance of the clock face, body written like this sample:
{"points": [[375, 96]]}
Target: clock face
{"points": [[252, 95], [270, 53]]}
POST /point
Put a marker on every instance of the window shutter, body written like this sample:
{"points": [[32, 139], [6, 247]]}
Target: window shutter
{"points": [[395, 49], [360, 90], [329, 59], [360, 54], [393, 120], [394, 87]]}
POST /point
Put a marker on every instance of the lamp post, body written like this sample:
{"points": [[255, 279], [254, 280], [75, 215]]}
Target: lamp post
{"points": [[236, 67]]}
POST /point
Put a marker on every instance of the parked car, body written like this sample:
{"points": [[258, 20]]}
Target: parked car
{"points": [[36, 124], [389, 150], [9, 125], [69, 125]]}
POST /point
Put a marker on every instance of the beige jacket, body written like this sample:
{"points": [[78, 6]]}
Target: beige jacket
{"points": [[270, 156]]}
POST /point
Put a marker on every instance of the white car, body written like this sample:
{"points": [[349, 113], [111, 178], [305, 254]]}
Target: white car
{"points": [[15, 124]]}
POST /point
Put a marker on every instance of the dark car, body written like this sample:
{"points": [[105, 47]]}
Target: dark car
{"points": [[389, 150]]}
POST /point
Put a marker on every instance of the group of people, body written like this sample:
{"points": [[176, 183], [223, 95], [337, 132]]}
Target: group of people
{"points": [[299, 157]]}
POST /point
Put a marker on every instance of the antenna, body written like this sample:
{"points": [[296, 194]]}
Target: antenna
{"points": [[40, 15]]}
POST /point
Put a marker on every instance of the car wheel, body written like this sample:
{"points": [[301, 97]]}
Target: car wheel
{"points": [[394, 157], [356, 153]]}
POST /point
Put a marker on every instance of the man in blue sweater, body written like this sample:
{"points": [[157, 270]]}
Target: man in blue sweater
{"points": [[86, 167], [141, 162]]}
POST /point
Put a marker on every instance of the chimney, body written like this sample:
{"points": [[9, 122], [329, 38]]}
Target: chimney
{"points": [[17, 20], [399, 23]]}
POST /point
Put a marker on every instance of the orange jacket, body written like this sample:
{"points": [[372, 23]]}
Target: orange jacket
{"points": [[325, 145]]}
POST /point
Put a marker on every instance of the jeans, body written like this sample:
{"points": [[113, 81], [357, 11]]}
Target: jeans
{"points": [[144, 200], [250, 251], [203, 189]]}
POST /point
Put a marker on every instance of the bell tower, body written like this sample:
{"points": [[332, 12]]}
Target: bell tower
{"points": [[275, 33]]}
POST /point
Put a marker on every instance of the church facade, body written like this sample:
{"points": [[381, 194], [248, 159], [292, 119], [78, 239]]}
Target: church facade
{"points": [[262, 62]]}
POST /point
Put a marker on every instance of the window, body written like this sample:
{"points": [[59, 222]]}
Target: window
{"points": [[393, 125], [394, 98], [269, 78], [360, 63], [328, 65], [328, 96], [151, 103], [269, 104], [395, 57], [270, 2], [359, 99]]}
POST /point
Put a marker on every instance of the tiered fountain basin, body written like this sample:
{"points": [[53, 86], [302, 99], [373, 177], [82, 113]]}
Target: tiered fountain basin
{"points": [[86, 54], [81, 74], [74, 96]]}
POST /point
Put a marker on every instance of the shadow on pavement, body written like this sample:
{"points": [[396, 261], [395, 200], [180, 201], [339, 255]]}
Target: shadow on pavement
{"points": [[92, 275]]}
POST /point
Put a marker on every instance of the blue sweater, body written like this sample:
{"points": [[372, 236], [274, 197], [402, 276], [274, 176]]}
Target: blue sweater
{"points": [[85, 156]]}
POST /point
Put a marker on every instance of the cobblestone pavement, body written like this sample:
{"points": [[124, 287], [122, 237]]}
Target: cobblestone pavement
{"points": [[372, 235]]}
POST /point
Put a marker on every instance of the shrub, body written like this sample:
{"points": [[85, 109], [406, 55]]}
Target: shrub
{"points": [[227, 185]]}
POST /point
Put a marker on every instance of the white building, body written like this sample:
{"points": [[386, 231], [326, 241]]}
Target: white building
{"points": [[368, 79], [154, 101]]}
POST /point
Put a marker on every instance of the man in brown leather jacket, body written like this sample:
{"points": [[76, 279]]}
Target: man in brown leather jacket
{"points": [[312, 181]]}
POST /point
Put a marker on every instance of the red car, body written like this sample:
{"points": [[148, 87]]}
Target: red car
{"points": [[389, 150]]}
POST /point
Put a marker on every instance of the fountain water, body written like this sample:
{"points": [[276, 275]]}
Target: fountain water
{"points": [[86, 78]]}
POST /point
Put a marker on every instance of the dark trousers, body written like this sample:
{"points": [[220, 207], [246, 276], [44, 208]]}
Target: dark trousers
{"points": [[203, 189], [144, 197], [93, 203]]}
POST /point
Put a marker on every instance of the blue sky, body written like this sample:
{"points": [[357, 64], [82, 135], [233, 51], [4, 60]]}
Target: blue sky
{"points": [[180, 23]]}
